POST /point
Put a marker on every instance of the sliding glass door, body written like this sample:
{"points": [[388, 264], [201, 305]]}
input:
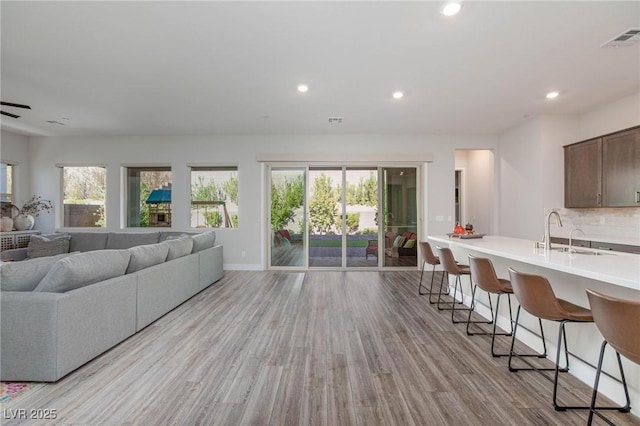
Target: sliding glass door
{"points": [[287, 229], [329, 217], [400, 209]]}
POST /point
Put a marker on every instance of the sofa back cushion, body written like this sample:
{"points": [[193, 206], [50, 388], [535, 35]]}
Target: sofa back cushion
{"points": [[146, 256], [26, 275], [48, 245], [125, 240], [203, 241], [178, 246], [84, 269], [88, 241]]}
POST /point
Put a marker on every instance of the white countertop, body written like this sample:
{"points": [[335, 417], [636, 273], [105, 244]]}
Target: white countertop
{"points": [[617, 268]]}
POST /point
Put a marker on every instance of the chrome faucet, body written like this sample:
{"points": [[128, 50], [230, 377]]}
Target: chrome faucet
{"points": [[546, 239], [571, 250]]}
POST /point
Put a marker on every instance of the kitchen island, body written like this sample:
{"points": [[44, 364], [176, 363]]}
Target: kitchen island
{"points": [[570, 274]]}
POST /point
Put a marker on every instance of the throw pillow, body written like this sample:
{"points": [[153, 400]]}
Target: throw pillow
{"points": [[203, 241], [178, 246], [410, 244], [84, 269], [48, 245], [25, 275], [146, 256]]}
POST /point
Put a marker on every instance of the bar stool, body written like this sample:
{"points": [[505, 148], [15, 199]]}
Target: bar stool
{"points": [[619, 321], [535, 295], [451, 267], [431, 259], [483, 275]]}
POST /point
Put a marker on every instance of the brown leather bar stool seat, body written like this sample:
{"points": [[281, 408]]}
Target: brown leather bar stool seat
{"points": [[619, 322], [451, 267], [535, 295], [483, 275], [429, 258]]}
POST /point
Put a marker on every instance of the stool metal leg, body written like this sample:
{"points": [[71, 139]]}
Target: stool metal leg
{"points": [[512, 354], [592, 409], [440, 301], [433, 274], [493, 321]]}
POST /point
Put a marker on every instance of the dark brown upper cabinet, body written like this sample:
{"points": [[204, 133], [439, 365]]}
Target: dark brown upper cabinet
{"points": [[621, 169], [583, 174], [603, 172]]}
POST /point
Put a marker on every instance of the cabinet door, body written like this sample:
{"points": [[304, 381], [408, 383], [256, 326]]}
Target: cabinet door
{"points": [[583, 174], [621, 169]]}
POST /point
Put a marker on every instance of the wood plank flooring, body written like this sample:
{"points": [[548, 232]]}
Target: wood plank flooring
{"points": [[314, 348]]}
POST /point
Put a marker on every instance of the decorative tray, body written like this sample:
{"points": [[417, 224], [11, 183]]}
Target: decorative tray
{"points": [[465, 236]]}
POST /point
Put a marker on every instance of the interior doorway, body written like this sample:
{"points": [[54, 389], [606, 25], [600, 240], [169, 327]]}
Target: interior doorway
{"points": [[474, 191]]}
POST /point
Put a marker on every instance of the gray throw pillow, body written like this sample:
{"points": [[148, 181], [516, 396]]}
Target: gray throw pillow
{"points": [[48, 245], [84, 269], [146, 256], [203, 241], [25, 275], [178, 246]]}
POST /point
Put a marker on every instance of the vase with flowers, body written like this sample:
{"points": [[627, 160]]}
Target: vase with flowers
{"points": [[25, 220]]}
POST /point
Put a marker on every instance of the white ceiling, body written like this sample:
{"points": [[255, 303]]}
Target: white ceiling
{"points": [[184, 68]]}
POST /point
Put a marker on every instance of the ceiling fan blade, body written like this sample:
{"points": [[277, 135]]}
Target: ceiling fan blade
{"points": [[9, 114], [15, 105]]}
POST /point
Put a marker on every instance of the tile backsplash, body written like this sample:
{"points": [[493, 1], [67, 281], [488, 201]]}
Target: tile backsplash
{"points": [[615, 225]]}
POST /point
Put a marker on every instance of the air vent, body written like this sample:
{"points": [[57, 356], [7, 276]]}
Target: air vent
{"points": [[627, 38], [335, 120]]}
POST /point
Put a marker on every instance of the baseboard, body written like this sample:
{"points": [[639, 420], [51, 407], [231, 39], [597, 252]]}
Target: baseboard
{"points": [[242, 267]]}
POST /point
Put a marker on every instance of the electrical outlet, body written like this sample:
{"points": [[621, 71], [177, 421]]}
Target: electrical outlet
{"points": [[243, 253]]}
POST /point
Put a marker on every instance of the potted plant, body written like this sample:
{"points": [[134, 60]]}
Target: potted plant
{"points": [[29, 211]]}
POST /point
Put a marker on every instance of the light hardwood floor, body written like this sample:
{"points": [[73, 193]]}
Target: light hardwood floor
{"points": [[317, 348]]}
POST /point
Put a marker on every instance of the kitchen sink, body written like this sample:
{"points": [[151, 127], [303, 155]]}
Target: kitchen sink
{"points": [[580, 251]]}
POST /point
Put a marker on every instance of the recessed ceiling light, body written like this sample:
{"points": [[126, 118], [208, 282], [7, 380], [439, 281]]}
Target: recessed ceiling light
{"points": [[397, 95], [451, 8], [552, 95], [303, 88]]}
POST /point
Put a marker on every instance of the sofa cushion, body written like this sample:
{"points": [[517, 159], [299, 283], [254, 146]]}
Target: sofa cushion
{"points": [[26, 275], [125, 240], [146, 256], [88, 241], [83, 269], [48, 245], [203, 241], [178, 246]]}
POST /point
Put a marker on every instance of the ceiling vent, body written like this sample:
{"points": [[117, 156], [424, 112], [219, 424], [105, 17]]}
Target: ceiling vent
{"points": [[335, 120], [627, 38]]}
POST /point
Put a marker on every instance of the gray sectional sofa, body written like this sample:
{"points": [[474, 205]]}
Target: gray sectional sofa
{"points": [[59, 312]]}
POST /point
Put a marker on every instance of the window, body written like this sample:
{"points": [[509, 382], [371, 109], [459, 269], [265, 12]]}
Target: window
{"points": [[6, 182], [83, 193], [148, 196], [214, 197]]}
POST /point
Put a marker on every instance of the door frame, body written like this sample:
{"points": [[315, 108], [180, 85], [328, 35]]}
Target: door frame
{"points": [[306, 165]]}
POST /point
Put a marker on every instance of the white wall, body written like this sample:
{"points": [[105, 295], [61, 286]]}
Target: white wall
{"points": [[14, 149], [243, 150], [530, 162]]}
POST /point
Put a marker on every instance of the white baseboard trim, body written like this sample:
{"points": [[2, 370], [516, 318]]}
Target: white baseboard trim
{"points": [[242, 267]]}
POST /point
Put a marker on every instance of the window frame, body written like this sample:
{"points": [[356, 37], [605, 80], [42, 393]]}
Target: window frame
{"points": [[12, 194], [214, 168], [60, 209], [125, 192]]}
